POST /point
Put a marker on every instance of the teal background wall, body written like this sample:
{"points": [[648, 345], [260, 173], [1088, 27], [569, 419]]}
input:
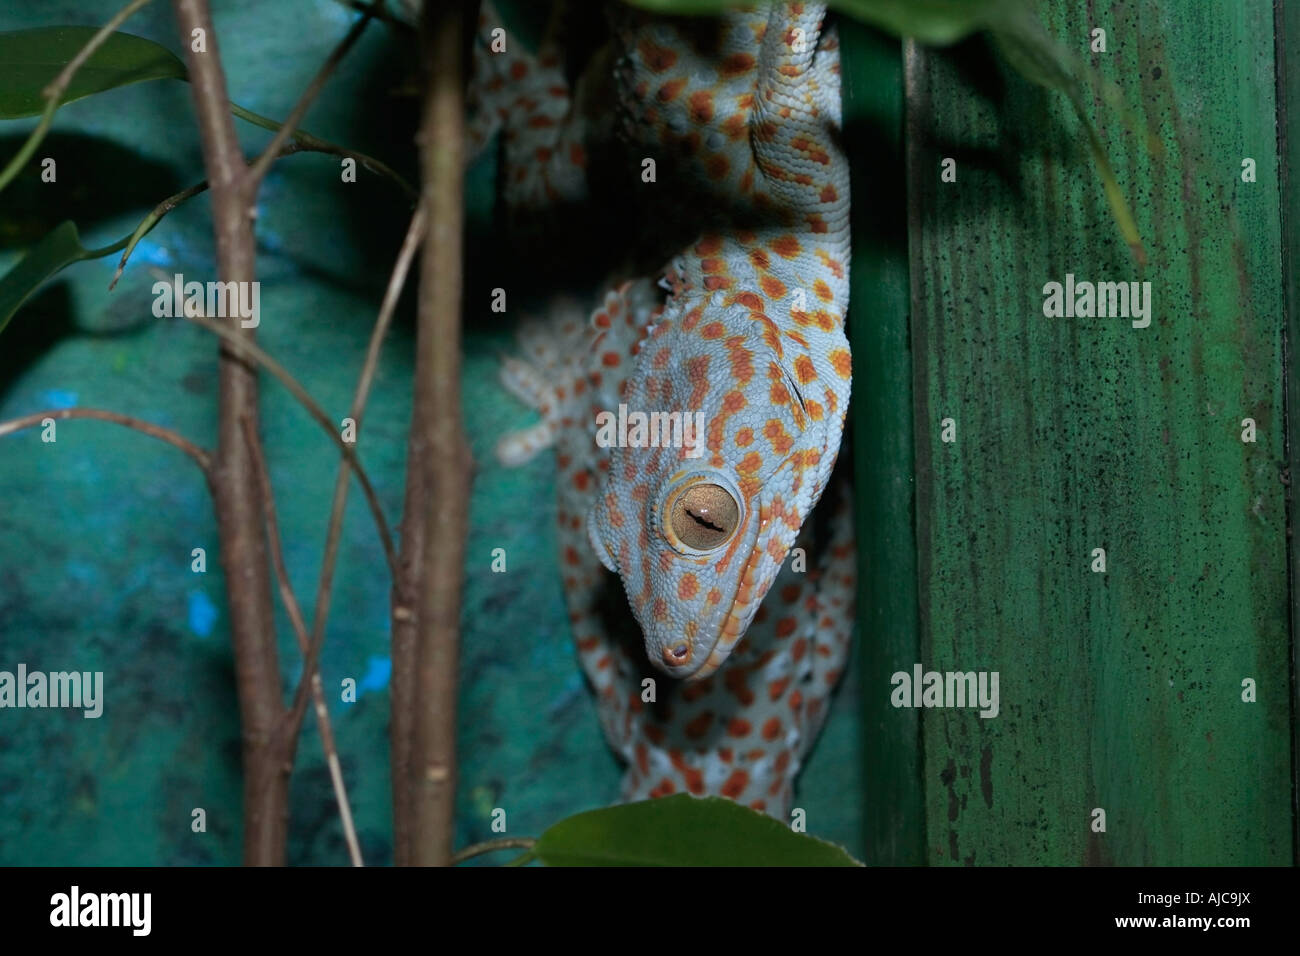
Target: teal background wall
{"points": [[96, 530]]}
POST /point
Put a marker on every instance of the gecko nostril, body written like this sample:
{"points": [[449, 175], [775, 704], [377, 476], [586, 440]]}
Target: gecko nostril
{"points": [[677, 654]]}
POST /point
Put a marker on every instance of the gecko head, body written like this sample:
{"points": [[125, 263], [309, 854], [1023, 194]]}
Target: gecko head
{"points": [[697, 529]]}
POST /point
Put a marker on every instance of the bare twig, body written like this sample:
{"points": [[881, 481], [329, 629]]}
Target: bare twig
{"points": [[294, 611], [414, 235], [235, 489], [491, 846], [258, 169], [248, 350], [438, 464], [200, 456]]}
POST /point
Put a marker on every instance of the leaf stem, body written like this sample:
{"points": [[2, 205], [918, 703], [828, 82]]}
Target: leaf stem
{"points": [[491, 846]]}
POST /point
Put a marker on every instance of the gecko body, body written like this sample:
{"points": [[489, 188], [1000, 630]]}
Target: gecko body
{"points": [[741, 605]]}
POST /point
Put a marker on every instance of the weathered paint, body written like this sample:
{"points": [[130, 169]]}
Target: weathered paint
{"points": [[1123, 690], [882, 442]]}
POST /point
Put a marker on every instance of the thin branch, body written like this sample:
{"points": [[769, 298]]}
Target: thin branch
{"points": [[439, 460], [249, 351], [200, 456], [258, 170], [324, 590], [235, 490], [59, 85], [294, 611], [491, 846]]}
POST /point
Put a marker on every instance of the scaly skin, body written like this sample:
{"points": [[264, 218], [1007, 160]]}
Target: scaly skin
{"points": [[742, 114]]}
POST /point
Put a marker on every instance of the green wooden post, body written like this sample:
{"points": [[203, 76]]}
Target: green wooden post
{"points": [[1288, 125], [1120, 691], [882, 437]]}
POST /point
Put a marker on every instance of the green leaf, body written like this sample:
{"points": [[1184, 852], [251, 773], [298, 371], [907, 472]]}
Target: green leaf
{"points": [[937, 22], [681, 831], [59, 248], [934, 22], [31, 59]]}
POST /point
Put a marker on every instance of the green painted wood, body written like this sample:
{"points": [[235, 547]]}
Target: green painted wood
{"points": [[1120, 691], [893, 803], [1288, 112]]}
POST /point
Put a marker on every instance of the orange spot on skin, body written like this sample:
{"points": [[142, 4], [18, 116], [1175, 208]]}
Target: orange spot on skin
{"points": [[773, 287], [660, 609], [822, 290], [803, 368], [733, 402], [749, 300], [828, 194], [750, 464], [656, 58], [698, 727], [834, 265], [777, 688], [717, 166], [581, 480], [739, 727], [736, 64], [734, 681], [714, 596], [713, 330], [610, 359], [709, 246], [693, 778], [670, 90], [772, 728], [735, 126], [701, 106], [735, 784], [787, 247], [786, 626], [745, 437], [841, 362], [688, 587]]}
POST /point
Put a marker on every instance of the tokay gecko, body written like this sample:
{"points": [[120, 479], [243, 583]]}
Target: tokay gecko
{"points": [[740, 598]]}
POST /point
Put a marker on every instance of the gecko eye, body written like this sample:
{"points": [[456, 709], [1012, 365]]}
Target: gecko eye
{"points": [[704, 516]]}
